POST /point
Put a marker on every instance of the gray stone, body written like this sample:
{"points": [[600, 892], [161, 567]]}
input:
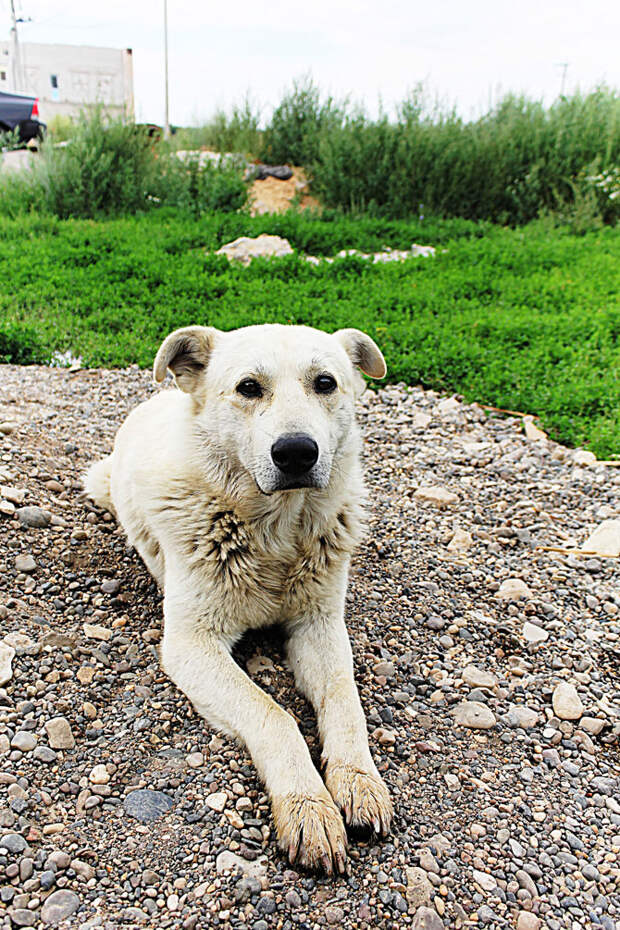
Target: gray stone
{"points": [[13, 842], [23, 917], [147, 805], [24, 562], [44, 754], [474, 715], [532, 633], [58, 906], [24, 740], [513, 589], [228, 860], [419, 888], [34, 517], [478, 678], [426, 918]]}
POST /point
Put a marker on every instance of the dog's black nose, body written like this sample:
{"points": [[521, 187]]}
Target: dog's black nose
{"points": [[295, 454]]}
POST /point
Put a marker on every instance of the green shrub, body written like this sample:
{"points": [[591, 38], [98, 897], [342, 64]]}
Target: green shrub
{"points": [[297, 123], [238, 132], [21, 344], [198, 187]]}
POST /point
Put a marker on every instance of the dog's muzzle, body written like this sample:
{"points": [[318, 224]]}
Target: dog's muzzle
{"points": [[295, 455]]}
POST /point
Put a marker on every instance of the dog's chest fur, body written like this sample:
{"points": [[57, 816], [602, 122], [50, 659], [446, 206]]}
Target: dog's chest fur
{"points": [[264, 567]]}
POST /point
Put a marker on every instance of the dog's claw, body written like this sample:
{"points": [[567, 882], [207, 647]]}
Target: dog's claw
{"points": [[311, 831], [361, 796]]}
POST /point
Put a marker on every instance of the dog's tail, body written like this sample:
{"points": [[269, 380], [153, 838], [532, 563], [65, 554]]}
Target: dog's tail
{"points": [[97, 483]]}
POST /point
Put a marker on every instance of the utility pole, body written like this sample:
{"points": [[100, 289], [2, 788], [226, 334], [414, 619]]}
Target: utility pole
{"points": [[564, 66], [16, 63], [167, 112]]}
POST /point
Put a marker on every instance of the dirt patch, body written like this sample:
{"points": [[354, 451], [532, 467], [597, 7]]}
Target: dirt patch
{"points": [[275, 196]]}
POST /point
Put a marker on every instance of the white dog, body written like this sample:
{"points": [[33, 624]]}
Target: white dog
{"points": [[243, 494]]}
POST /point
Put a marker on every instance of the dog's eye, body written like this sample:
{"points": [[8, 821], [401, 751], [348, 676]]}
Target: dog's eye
{"points": [[249, 388], [324, 384]]}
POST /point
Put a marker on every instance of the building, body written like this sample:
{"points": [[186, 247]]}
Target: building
{"points": [[69, 78]]}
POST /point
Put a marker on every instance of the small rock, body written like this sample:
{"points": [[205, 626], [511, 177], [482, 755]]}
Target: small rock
{"points": [[34, 517], [24, 740], [13, 842], [6, 659], [513, 589], [245, 248], [436, 495], [524, 717], [605, 540], [486, 881], [427, 918], [99, 775], [24, 562], [584, 457], [474, 715], [461, 541], [93, 631], [419, 888], [216, 801], [593, 725], [259, 664], [147, 805], [528, 921], [228, 860], [195, 760], [111, 586], [532, 432], [15, 495], [59, 733], [566, 702], [58, 906], [533, 633], [7, 428], [23, 917], [477, 678], [44, 754]]}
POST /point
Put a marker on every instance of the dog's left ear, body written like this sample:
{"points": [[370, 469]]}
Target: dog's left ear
{"points": [[362, 351], [186, 353]]}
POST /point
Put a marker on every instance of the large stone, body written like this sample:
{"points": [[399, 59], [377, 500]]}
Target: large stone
{"points": [[593, 725], [528, 921], [474, 715], [217, 801], [532, 432], [605, 540], [228, 860], [94, 631], [523, 716], [245, 248], [34, 517], [513, 589], [436, 495], [23, 917], [24, 562], [24, 740], [60, 905], [6, 659], [477, 678], [426, 918], [584, 457], [566, 702], [147, 805], [419, 888], [59, 733]]}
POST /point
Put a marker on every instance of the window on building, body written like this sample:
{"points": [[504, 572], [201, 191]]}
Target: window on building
{"points": [[54, 81], [2, 75]]}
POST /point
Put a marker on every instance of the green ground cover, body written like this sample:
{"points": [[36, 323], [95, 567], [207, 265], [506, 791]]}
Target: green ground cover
{"points": [[526, 318]]}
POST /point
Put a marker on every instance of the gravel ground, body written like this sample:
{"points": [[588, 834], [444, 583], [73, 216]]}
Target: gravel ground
{"points": [[488, 670]]}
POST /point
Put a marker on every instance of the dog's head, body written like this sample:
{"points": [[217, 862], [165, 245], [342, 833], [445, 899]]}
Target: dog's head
{"points": [[277, 399]]}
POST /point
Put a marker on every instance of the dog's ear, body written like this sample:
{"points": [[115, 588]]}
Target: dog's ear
{"points": [[362, 351], [186, 353]]}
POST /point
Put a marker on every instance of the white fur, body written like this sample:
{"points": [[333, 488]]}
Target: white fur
{"points": [[192, 481]]}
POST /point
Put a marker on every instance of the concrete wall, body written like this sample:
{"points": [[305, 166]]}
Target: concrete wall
{"points": [[68, 78]]}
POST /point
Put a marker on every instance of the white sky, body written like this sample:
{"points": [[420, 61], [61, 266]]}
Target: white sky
{"points": [[467, 53]]}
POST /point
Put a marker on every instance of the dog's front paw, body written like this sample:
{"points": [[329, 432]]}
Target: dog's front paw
{"points": [[311, 832], [361, 796]]}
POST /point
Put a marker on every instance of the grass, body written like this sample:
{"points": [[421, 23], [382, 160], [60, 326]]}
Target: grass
{"points": [[527, 319]]}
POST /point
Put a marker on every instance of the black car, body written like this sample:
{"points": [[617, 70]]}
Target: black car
{"points": [[22, 113]]}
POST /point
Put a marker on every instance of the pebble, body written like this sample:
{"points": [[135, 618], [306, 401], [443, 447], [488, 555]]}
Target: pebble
{"points": [[33, 517], [524, 717], [478, 678], [13, 842], [60, 905], [217, 801], [59, 733], [528, 921], [147, 805], [566, 702], [437, 496], [227, 860], [7, 654], [533, 633], [593, 725], [99, 775], [419, 888], [462, 541], [24, 740], [426, 918], [24, 562], [605, 540], [474, 715], [513, 589], [94, 631]]}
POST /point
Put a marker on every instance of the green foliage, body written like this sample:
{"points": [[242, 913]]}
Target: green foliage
{"points": [[110, 167], [297, 124], [527, 319], [238, 132]]}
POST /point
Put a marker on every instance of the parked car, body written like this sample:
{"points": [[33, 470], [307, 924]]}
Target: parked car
{"points": [[22, 113]]}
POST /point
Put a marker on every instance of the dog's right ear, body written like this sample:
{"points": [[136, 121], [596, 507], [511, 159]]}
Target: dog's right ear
{"points": [[186, 353]]}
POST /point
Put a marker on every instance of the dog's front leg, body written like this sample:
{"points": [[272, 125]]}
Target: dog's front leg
{"points": [[320, 655], [309, 825]]}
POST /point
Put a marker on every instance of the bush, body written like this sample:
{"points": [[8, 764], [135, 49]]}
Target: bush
{"points": [[238, 132], [110, 167], [297, 124]]}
